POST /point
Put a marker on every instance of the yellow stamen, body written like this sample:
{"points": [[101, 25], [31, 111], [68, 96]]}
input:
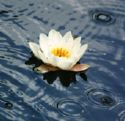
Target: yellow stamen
{"points": [[61, 52]]}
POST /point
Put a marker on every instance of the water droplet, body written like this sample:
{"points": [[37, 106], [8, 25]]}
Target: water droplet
{"points": [[102, 17], [101, 98], [106, 100], [70, 108], [8, 105]]}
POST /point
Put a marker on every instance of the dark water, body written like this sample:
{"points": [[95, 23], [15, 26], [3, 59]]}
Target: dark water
{"points": [[97, 96]]}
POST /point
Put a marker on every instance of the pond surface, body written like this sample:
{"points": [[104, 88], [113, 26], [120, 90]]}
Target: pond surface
{"points": [[98, 95]]}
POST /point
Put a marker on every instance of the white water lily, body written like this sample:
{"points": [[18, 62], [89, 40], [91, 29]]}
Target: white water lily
{"points": [[62, 52]]}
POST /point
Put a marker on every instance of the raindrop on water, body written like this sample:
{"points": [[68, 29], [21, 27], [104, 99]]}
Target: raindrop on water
{"points": [[8, 105], [106, 100], [101, 98], [102, 17], [70, 108]]}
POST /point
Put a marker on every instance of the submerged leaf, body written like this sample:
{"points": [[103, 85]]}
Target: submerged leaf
{"points": [[44, 68], [80, 67]]}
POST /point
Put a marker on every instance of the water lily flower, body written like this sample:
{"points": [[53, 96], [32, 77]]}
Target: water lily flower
{"points": [[59, 52]]}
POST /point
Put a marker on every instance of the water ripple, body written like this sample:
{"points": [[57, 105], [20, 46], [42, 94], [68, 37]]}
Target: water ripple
{"points": [[101, 98], [70, 108], [121, 116], [103, 17], [26, 96]]}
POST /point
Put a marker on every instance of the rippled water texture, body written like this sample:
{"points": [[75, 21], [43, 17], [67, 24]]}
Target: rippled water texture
{"points": [[98, 95]]}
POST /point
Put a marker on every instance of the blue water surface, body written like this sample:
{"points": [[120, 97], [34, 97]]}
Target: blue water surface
{"points": [[98, 95]]}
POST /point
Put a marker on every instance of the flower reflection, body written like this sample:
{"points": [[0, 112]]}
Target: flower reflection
{"points": [[65, 77]]}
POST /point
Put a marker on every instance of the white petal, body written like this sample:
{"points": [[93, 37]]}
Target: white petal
{"points": [[43, 43], [68, 41], [78, 40], [42, 56], [35, 48], [52, 60], [77, 44], [43, 38], [54, 36], [79, 54], [83, 49], [64, 64], [68, 36]]}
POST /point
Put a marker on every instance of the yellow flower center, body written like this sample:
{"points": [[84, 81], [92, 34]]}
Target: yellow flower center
{"points": [[61, 52]]}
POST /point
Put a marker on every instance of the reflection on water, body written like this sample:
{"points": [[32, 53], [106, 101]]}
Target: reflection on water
{"points": [[5, 104], [65, 77], [98, 95]]}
